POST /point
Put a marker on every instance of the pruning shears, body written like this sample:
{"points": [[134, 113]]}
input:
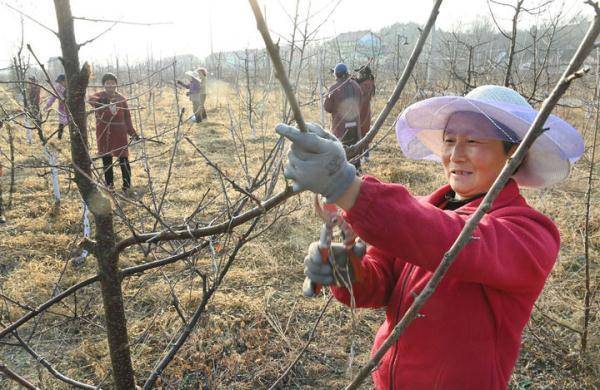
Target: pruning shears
{"points": [[330, 215]]}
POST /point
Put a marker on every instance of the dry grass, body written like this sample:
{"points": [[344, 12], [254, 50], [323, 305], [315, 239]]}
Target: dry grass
{"points": [[258, 320]]}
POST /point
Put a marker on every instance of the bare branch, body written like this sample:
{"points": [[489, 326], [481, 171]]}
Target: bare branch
{"points": [[49, 367], [74, 288], [186, 330], [310, 339], [119, 21], [224, 227], [232, 182], [80, 45], [496, 22], [279, 70], [15, 377], [30, 18]]}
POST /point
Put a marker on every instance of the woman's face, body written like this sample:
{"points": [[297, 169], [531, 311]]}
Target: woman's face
{"points": [[471, 162], [110, 86]]}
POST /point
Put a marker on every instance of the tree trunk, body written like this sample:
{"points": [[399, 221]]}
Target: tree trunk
{"points": [[105, 247]]}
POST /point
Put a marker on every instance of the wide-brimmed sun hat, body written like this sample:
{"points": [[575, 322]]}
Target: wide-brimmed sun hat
{"points": [[420, 129]]}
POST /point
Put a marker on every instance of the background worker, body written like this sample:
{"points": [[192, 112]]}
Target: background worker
{"points": [[197, 92], [33, 99], [366, 81], [113, 125], [343, 103], [63, 118]]}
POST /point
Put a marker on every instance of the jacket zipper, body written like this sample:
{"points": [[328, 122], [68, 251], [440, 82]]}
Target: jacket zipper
{"points": [[395, 351]]}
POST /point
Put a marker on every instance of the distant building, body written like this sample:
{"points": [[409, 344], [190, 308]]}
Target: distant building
{"points": [[369, 45]]}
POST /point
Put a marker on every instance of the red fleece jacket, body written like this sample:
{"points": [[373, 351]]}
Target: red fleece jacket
{"points": [[470, 331]]}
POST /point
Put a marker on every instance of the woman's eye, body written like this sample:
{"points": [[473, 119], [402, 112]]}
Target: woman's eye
{"points": [[449, 141]]}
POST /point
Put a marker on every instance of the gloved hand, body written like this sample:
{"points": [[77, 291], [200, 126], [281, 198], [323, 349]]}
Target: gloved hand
{"points": [[338, 270], [317, 161]]}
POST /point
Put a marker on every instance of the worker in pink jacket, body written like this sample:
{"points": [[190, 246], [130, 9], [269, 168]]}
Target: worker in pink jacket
{"points": [[468, 333], [63, 117]]}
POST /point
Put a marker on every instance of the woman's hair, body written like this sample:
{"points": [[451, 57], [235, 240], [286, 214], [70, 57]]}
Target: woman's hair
{"points": [[507, 145], [365, 73], [108, 76], [202, 70], [61, 77]]}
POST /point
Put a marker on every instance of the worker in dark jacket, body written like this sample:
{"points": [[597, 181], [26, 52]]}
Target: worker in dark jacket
{"points": [[366, 81], [33, 99], [343, 103]]}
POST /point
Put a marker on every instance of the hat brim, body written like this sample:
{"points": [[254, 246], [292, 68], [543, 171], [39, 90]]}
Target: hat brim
{"points": [[420, 127]]}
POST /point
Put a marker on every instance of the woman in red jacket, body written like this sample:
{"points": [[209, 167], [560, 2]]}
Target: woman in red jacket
{"points": [[469, 332], [113, 124]]}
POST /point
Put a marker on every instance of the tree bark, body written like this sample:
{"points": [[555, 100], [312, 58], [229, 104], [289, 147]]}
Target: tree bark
{"points": [[105, 247]]}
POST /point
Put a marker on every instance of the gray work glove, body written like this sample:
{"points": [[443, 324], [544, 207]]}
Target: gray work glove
{"points": [[317, 161], [338, 270]]}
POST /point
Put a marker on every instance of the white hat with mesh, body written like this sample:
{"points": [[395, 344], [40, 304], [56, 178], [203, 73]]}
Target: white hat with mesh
{"points": [[421, 126]]}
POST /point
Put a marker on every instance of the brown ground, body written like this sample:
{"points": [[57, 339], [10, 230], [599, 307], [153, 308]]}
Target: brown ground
{"points": [[258, 320]]}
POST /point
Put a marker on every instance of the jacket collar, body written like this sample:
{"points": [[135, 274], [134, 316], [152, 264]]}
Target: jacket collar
{"points": [[507, 196]]}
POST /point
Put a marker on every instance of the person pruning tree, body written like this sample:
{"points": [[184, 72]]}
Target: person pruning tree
{"points": [[468, 333]]}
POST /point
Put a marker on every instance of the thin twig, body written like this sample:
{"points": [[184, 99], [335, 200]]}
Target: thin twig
{"points": [[119, 21], [310, 339], [10, 374], [50, 368], [279, 69], [74, 288], [30, 18], [224, 227], [189, 327], [98, 35]]}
